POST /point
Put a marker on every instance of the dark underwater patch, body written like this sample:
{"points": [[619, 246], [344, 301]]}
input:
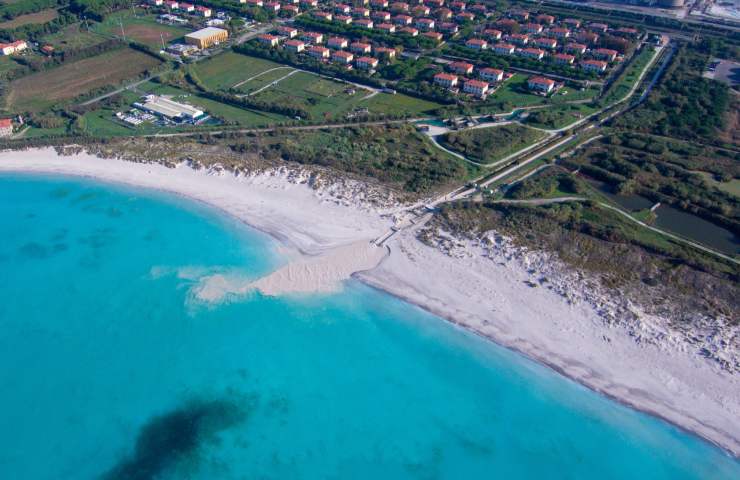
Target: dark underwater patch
{"points": [[34, 251], [177, 437]]}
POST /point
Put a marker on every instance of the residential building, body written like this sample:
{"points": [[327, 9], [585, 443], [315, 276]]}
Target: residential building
{"points": [[309, 3], [6, 127], [573, 23], [381, 16], [286, 31], [476, 44], [269, 40], [545, 19], [343, 19], [463, 17], [272, 6], [341, 56], [533, 28], [462, 68], [421, 11], [290, 9], [535, 53], [577, 48], [255, 3], [458, 6], [492, 34], [295, 46], [589, 38], [13, 47], [521, 15], [366, 63], [342, 8], [399, 7], [541, 84], [520, 39], [476, 87], [204, 12], [594, 66], [545, 42], [172, 5], [337, 43], [320, 15], [504, 48], [318, 52], [359, 47], [563, 59], [559, 32], [313, 37], [492, 74], [403, 20], [364, 22], [448, 27], [436, 36], [598, 27], [606, 54], [379, 3], [507, 25], [386, 27], [360, 12], [187, 7], [443, 14], [411, 31], [445, 80], [425, 24], [385, 52]]}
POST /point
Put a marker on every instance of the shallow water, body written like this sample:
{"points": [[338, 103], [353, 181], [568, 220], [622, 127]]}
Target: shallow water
{"points": [[111, 369]]}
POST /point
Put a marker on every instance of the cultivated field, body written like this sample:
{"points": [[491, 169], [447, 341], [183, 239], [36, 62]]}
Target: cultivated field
{"points": [[141, 28], [39, 17], [43, 89]]}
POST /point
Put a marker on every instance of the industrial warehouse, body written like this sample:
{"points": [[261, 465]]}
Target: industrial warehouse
{"points": [[206, 37]]}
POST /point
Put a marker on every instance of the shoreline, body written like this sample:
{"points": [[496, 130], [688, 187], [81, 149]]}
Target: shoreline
{"points": [[481, 293]]}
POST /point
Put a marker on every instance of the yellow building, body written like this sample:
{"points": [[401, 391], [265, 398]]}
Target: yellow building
{"points": [[206, 37]]}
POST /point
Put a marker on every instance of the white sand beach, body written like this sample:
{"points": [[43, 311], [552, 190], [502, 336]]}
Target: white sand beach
{"points": [[488, 287]]}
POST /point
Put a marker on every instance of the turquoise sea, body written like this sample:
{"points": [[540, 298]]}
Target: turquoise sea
{"points": [[109, 369]]}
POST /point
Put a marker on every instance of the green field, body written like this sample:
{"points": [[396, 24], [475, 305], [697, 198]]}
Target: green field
{"points": [[490, 144], [72, 37], [140, 27], [7, 64], [224, 71], [559, 116]]}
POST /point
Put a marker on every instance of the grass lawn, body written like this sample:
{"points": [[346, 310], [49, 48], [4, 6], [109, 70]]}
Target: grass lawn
{"points": [[140, 27], [323, 98], [489, 144], [43, 16], [559, 116], [400, 104], [228, 69], [72, 37], [49, 87]]}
